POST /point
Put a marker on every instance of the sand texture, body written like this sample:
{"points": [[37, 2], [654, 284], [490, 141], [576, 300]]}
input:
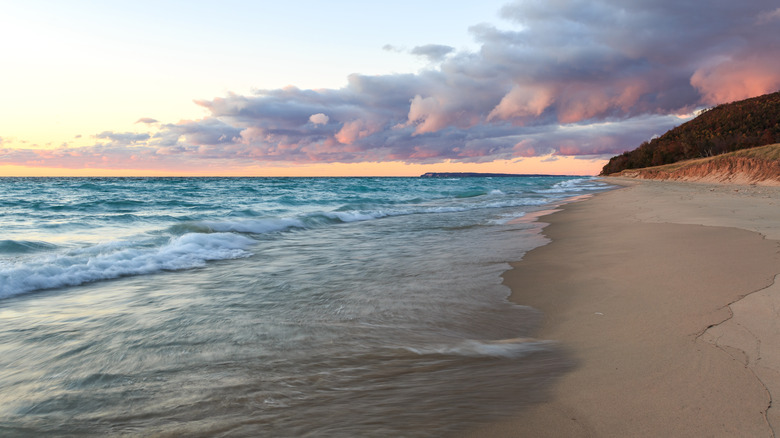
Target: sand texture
{"points": [[664, 294]]}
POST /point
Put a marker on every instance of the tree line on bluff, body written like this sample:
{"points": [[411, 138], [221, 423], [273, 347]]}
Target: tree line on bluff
{"points": [[724, 128]]}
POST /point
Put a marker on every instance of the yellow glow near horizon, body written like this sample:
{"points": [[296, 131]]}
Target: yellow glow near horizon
{"points": [[63, 85], [564, 165]]}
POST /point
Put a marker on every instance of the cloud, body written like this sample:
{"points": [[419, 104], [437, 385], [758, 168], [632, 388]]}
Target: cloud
{"points": [[768, 16], [147, 120], [123, 137], [319, 119], [522, 103], [572, 77], [434, 52], [392, 48], [356, 129], [736, 78]]}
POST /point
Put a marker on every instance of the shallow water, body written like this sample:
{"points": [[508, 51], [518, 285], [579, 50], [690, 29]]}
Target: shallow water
{"points": [[268, 307]]}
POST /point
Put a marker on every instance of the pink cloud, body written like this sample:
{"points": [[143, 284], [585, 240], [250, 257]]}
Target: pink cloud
{"points": [[524, 149], [427, 114], [569, 149], [523, 102], [355, 130], [736, 79]]}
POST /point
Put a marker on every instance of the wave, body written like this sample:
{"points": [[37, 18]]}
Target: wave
{"points": [[506, 218], [505, 348], [574, 185], [211, 231], [253, 226], [119, 259], [343, 215], [357, 216], [97, 206], [470, 194], [24, 246], [363, 215]]}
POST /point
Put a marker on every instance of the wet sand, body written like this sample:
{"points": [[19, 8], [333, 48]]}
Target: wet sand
{"points": [[664, 294]]}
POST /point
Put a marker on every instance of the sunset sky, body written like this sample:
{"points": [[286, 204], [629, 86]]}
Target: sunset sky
{"points": [[271, 88]]}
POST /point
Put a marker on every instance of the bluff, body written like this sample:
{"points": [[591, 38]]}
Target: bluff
{"points": [[760, 166], [725, 128]]}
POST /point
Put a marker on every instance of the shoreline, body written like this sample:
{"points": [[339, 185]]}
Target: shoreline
{"points": [[657, 289]]}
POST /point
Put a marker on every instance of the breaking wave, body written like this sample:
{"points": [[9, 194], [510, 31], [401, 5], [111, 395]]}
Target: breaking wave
{"points": [[119, 259]]}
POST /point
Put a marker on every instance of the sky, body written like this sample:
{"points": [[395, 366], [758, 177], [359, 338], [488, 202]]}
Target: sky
{"points": [[312, 88]]}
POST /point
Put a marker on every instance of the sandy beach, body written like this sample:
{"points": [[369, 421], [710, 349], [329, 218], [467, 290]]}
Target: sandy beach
{"points": [[665, 295]]}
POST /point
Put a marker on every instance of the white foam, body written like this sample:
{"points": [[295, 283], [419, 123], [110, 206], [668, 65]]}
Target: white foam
{"points": [[506, 218], [119, 259], [497, 199], [355, 216], [521, 202], [508, 348], [255, 226], [574, 185]]}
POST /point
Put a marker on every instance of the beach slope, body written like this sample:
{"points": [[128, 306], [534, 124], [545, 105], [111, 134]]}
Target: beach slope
{"points": [[652, 289], [756, 166]]}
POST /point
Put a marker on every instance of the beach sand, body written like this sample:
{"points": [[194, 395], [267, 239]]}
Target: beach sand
{"points": [[664, 295]]}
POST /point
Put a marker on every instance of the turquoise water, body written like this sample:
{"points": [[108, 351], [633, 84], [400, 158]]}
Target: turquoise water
{"points": [[268, 306]]}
